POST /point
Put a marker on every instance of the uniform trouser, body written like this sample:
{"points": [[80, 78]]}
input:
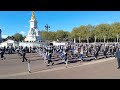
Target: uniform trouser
{"points": [[105, 53], [65, 57], [87, 53], [90, 52], [2, 56], [113, 53], [81, 56], [49, 58], [118, 60], [76, 55], [24, 58], [96, 54]]}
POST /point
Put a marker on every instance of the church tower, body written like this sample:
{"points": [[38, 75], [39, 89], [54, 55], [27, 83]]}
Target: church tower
{"points": [[33, 34]]}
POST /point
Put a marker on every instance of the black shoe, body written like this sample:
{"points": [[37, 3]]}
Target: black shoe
{"points": [[52, 63], [118, 68], [22, 61], [48, 65]]}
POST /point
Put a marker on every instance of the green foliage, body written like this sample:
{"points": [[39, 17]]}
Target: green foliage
{"points": [[107, 31], [44, 35], [10, 37], [18, 37], [101, 31], [59, 34]]}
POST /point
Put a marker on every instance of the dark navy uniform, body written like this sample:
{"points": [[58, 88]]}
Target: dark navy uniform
{"points": [[50, 52], [24, 54], [118, 58]]}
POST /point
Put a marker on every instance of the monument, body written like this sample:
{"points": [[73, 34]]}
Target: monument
{"points": [[33, 34], [33, 37]]}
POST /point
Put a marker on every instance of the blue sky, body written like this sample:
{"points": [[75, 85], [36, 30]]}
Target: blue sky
{"points": [[12, 22]]}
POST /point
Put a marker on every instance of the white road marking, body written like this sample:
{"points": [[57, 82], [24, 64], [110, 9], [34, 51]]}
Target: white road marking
{"points": [[59, 68]]}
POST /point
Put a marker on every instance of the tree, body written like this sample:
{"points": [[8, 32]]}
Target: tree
{"points": [[10, 37], [90, 32], [44, 35], [67, 38], [82, 32], [115, 29], [61, 35], [24, 37], [101, 31], [74, 33], [18, 37]]}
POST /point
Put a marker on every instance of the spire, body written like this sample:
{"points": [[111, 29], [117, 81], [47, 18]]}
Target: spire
{"points": [[33, 15]]}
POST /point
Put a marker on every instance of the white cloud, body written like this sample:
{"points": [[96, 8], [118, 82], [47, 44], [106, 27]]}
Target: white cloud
{"points": [[4, 36], [22, 32]]}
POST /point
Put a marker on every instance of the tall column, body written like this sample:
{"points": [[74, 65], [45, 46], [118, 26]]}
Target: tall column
{"points": [[74, 40], [87, 40], [104, 39], [79, 39], [47, 28], [117, 38], [95, 39]]}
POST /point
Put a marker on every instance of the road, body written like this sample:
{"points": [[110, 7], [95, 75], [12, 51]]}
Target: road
{"points": [[13, 68]]}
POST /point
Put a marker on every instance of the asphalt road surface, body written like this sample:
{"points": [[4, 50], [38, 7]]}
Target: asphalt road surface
{"points": [[14, 68]]}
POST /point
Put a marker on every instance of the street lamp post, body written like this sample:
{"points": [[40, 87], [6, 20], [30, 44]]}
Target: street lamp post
{"points": [[79, 39], [117, 38], [47, 27], [104, 39], [95, 39]]}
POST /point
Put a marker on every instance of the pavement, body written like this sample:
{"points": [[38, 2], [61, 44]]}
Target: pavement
{"points": [[14, 68]]}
